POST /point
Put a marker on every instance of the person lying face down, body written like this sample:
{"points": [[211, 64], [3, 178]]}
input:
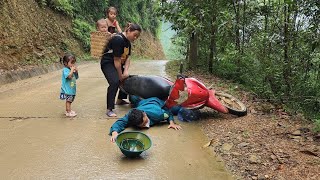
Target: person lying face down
{"points": [[147, 113]]}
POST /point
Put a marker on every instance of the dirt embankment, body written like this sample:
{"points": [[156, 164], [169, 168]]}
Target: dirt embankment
{"points": [[148, 47], [31, 35]]}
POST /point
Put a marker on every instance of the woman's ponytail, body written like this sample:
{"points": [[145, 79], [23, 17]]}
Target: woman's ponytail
{"points": [[132, 27], [127, 26]]}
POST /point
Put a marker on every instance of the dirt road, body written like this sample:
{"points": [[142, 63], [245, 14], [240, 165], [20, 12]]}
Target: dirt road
{"points": [[37, 141]]}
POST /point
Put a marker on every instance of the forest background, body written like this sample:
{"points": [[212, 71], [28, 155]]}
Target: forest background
{"points": [[269, 47]]}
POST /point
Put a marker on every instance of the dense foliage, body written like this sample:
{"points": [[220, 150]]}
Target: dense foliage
{"points": [[270, 46], [139, 11], [86, 13]]}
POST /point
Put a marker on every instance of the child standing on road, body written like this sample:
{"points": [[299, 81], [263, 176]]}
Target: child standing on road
{"points": [[111, 14], [68, 86]]}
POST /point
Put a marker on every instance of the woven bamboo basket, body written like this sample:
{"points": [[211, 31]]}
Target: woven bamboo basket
{"points": [[98, 41]]}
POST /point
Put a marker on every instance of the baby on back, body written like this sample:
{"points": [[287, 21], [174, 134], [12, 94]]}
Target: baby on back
{"points": [[110, 24], [99, 38], [102, 25]]}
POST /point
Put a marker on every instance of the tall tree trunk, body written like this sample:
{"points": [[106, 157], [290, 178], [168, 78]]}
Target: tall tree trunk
{"points": [[213, 44], [266, 16], [236, 7], [187, 55], [243, 25], [266, 32], [193, 53], [318, 75], [287, 64]]}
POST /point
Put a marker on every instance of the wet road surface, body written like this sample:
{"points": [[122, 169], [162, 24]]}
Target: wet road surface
{"points": [[38, 142]]}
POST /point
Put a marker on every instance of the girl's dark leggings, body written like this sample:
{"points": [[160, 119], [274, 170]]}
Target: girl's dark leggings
{"points": [[111, 74]]}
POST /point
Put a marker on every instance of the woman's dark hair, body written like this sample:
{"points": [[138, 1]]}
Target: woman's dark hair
{"points": [[135, 117], [66, 58], [132, 27]]}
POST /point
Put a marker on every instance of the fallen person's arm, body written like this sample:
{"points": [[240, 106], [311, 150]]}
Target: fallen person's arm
{"points": [[118, 127], [174, 126], [114, 135], [171, 121]]}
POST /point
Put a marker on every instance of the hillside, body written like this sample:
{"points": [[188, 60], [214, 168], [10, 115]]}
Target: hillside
{"points": [[32, 35]]}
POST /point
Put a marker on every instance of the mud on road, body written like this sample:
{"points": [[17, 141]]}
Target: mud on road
{"points": [[37, 141]]}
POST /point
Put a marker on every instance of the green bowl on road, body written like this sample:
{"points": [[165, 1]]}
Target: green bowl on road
{"points": [[133, 143]]}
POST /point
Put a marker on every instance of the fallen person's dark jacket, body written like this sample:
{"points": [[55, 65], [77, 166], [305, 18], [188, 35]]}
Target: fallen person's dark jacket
{"points": [[153, 107]]}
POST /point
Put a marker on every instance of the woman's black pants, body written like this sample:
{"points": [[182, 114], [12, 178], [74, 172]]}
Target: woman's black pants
{"points": [[111, 74]]}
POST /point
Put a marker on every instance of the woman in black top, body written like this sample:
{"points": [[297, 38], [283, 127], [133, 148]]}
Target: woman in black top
{"points": [[115, 63]]}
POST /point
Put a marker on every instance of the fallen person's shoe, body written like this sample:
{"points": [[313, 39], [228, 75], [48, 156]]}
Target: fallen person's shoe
{"points": [[188, 115]]}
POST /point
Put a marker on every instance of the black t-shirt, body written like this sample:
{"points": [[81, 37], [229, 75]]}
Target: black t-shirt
{"points": [[118, 46]]}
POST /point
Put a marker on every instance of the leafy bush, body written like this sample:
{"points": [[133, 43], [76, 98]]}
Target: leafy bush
{"points": [[139, 11], [317, 125], [63, 6], [84, 14], [81, 31], [42, 3]]}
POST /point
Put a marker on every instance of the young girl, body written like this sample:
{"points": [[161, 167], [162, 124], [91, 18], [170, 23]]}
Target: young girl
{"points": [[112, 23], [68, 86], [115, 64]]}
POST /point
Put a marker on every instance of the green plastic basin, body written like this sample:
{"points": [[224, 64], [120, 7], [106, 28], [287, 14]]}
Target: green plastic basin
{"points": [[133, 143]]}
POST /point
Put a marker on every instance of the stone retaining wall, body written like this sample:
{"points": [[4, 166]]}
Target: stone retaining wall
{"points": [[12, 76]]}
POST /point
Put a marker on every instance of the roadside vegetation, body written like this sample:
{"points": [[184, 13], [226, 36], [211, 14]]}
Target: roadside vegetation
{"points": [[265, 52], [268, 143], [84, 14], [38, 32], [271, 47]]}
